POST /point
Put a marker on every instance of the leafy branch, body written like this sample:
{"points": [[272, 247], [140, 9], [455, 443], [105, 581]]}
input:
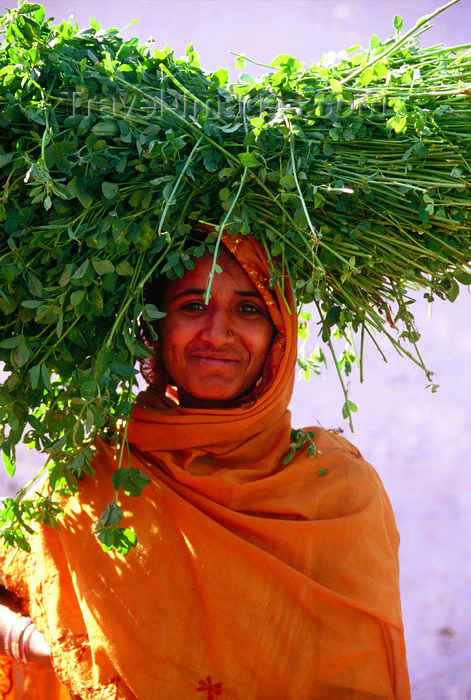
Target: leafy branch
{"points": [[352, 173]]}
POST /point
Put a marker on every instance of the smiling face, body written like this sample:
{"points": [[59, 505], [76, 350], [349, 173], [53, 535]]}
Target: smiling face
{"points": [[214, 353]]}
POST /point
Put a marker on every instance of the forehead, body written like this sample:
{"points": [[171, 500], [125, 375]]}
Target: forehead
{"points": [[232, 278]]}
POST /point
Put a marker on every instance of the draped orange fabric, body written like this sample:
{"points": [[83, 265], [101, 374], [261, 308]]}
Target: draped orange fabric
{"points": [[252, 579]]}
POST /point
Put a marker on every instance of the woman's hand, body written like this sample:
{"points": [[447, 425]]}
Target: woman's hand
{"points": [[38, 650], [35, 649]]}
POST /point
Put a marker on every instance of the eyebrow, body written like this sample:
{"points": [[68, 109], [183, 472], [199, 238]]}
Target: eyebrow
{"points": [[202, 292]]}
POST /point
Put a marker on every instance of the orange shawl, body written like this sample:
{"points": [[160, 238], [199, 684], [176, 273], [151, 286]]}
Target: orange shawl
{"points": [[252, 580]]}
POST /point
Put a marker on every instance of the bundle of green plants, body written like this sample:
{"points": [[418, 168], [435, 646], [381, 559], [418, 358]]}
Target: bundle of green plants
{"points": [[353, 173]]}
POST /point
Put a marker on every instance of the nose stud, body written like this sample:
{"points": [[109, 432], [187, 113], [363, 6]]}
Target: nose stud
{"points": [[230, 333]]}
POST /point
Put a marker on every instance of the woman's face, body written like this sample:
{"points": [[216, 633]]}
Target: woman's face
{"points": [[214, 353]]}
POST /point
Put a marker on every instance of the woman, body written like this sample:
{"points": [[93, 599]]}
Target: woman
{"points": [[259, 573]]}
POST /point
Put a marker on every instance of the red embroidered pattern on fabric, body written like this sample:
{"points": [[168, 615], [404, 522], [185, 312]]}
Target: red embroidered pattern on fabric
{"points": [[211, 688]]}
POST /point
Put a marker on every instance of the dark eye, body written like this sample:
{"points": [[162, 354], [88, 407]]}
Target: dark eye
{"points": [[193, 306], [250, 309]]}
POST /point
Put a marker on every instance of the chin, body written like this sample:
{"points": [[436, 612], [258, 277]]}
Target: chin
{"points": [[214, 397]]}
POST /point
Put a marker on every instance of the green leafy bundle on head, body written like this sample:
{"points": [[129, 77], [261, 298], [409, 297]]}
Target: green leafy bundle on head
{"points": [[354, 173]]}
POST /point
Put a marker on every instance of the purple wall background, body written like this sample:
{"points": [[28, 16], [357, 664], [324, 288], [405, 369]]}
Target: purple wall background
{"points": [[419, 442]]}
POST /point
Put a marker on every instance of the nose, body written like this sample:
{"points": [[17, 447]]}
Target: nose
{"points": [[217, 328]]}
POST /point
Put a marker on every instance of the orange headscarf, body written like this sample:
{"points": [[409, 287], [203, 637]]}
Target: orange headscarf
{"points": [[252, 579]]}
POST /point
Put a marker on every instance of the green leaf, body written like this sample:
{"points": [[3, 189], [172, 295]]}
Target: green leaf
{"points": [[81, 270], [246, 78], [77, 296], [151, 313], [10, 464], [34, 375], [45, 377], [300, 439], [111, 536], [129, 340], [374, 42], [381, 69], [453, 292], [102, 361], [288, 457], [35, 423], [5, 158], [335, 85], [89, 420], [230, 128], [34, 285], [21, 354], [124, 268], [117, 538], [367, 75], [212, 160], [111, 516], [84, 198], [398, 123], [463, 277], [123, 370], [221, 76], [421, 149], [131, 480], [226, 173], [424, 213], [10, 343], [249, 160], [31, 303], [288, 181], [110, 189], [168, 195], [103, 267], [333, 315], [347, 408], [106, 128], [281, 59], [398, 23]]}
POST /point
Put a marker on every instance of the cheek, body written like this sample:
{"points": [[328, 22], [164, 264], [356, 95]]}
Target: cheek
{"points": [[177, 335], [170, 342], [262, 340]]}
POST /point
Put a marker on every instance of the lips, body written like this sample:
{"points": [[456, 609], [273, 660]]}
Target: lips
{"points": [[219, 360]]}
